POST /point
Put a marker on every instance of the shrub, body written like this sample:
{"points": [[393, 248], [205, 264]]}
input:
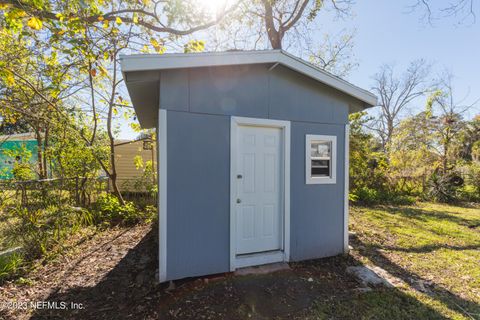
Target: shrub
{"points": [[108, 210], [365, 196], [443, 187], [469, 193], [10, 265], [471, 190], [39, 230], [368, 196]]}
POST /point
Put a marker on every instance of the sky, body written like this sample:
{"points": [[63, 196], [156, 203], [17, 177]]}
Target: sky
{"points": [[388, 32]]}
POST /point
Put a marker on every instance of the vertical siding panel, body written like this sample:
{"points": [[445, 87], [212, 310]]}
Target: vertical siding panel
{"points": [[198, 194]]}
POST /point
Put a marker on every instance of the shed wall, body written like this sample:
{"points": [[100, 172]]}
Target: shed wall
{"points": [[199, 104], [253, 91], [198, 194]]}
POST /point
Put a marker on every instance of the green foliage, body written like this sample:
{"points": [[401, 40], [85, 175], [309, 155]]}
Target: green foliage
{"points": [[71, 156], [365, 195], [368, 166], [40, 230], [147, 181], [469, 193], [471, 189], [108, 211], [369, 196], [10, 265], [442, 187], [22, 168], [429, 157], [194, 46]]}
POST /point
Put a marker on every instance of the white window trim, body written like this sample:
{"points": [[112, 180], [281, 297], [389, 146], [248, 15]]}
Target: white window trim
{"points": [[308, 163], [260, 258], [162, 194]]}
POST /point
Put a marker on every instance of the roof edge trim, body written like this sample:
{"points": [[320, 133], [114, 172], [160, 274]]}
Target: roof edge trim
{"points": [[145, 62]]}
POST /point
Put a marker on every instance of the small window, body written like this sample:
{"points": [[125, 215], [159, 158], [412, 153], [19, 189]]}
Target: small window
{"points": [[320, 159]]}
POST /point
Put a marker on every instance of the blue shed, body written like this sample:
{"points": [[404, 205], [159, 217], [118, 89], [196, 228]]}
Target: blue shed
{"points": [[253, 157]]}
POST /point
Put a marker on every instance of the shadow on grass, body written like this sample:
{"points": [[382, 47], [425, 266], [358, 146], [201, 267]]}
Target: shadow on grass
{"points": [[437, 215], [454, 302], [428, 248]]}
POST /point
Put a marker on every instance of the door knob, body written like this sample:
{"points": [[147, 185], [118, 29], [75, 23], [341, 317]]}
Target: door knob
{"points": [[239, 201], [239, 176]]}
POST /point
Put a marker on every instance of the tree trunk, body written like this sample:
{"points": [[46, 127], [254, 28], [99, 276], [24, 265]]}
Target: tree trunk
{"points": [[274, 36], [113, 173], [38, 137], [113, 168], [45, 146], [445, 158], [389, 136]]}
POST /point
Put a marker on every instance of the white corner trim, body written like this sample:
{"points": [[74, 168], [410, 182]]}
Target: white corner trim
{"points": [[162, 194], [346, 191], [233, 188], [258, 259], [286, 235], [308, 163]]}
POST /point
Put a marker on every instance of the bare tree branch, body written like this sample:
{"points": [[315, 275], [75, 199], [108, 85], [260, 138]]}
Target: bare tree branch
{"points": [[433, 10], [396, 94]]}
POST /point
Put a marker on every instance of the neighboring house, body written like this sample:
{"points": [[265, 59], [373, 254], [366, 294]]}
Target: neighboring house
{"points": [[253, 165], [16, 143], [129, 177]]}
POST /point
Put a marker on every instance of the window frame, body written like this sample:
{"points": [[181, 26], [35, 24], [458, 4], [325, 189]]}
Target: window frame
{"points": [[332, 179]]}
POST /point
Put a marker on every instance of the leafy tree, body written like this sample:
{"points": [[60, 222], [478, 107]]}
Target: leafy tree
{"points": [[175, 18], [367, 162], [32, 83], [412, 158], [18, 126], [86, 37], [467, 146]]}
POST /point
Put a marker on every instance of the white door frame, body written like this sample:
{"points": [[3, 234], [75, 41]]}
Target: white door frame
{"points": [[269, 257]]}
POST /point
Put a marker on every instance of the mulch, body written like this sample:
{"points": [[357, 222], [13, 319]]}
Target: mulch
{"points": [[113, 276]]}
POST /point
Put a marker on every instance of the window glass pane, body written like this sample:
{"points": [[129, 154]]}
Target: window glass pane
{"points": [[320, 156]]}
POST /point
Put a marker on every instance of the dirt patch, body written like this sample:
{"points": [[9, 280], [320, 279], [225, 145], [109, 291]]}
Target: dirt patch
{"points": [[94, 275], [113, 276], [284, 294]]}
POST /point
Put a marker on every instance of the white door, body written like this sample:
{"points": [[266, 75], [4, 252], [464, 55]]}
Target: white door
{"points": [[259, 212]]}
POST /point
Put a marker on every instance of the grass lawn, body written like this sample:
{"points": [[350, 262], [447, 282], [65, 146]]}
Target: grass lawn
{"points": [[434, 249]]}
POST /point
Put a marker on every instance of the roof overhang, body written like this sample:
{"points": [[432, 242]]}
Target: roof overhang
{"points": [[139, 88]]}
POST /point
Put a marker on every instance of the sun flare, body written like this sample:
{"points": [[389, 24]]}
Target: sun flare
{"points": [[212, 6]]}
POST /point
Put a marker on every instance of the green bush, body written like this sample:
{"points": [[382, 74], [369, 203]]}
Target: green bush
{"points": [[366, 196], [10, 265], [444, 187], [471, 190], [39, 230], [469, 193], [108, 210], [369, 196]]}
